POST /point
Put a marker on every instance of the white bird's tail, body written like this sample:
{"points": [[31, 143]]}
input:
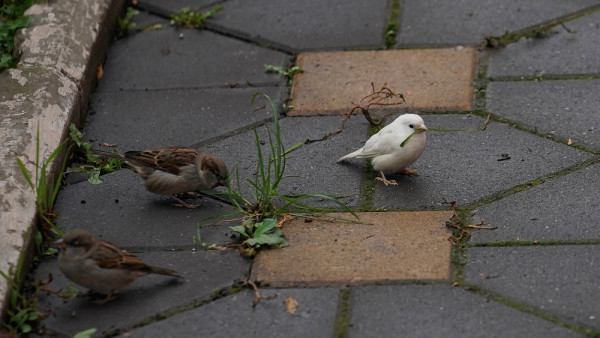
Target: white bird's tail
{"points": [[351, 155]]}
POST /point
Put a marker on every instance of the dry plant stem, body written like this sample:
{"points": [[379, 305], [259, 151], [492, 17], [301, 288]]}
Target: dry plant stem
{"points": [[487, 120], [42, 284], [376, 98], [480, 225], [227, 220], [456, 223], [257, 296], [285, 218]]}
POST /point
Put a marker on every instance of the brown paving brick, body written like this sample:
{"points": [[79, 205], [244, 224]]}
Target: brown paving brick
{"points": [[398, 246], [430, 79]]}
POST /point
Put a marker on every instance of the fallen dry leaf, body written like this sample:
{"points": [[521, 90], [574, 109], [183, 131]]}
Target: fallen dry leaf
{"points": [[104, 144], [100, 72], [291, 305]]}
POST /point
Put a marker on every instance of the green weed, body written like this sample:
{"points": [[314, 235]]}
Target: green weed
{"points": [[85, 334], [94, 165], [20, 309], [45, 188], [193, 18], [289, 73], [11, 19], [124, 23], [266, 205]]}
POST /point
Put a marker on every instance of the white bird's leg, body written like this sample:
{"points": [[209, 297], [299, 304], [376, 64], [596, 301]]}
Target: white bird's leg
{"points": [[385, 180], [181, 203], [409, 172]]}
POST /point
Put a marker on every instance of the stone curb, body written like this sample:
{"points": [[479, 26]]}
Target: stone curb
{"points": [[50, 88]]}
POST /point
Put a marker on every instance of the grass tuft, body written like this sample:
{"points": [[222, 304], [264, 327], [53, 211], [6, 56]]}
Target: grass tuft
{"points": [[266, 209]]}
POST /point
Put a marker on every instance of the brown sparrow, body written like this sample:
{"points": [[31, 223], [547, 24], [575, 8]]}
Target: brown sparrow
{"points": [[394, 147], [174, 170], [99, 265]]}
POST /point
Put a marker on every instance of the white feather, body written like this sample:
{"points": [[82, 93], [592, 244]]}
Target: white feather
{"points": [[384, 150]]}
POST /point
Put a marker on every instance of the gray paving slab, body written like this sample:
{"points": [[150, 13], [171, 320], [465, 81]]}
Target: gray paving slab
{"points": [[121, 211], [571, 51], [163, 59], [440, 311], [174, 6], [173, 117], [463, 166], [234, 316], [311, 169], [204, 272], [468, 22], [306, 25], [565, 209], [558, 280], [566, 108]]}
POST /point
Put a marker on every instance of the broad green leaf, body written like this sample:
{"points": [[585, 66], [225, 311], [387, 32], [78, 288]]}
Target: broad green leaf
{"points": [[240, 229], [85, 334], [264, 227], [94, 176]]}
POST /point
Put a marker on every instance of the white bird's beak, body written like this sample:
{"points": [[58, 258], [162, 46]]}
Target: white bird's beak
{"points": [[421, 128]]}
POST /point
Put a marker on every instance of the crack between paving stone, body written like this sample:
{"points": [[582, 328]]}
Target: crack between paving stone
{"points": [[527, 309], [215, 295], [528, 185], [533, 243]]}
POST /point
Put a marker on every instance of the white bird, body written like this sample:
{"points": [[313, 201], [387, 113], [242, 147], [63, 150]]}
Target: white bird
{"points": [[394, 147]]}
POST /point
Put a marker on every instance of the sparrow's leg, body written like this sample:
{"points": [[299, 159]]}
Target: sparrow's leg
{"points": [[191, 194], [385, 180], [409, 172], [108, 298], [181, 203]]}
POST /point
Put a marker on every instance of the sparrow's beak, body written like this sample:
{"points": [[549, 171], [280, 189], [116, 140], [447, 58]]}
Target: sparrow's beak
{"points": [[421, 128], [61, 244], [223, 182]]}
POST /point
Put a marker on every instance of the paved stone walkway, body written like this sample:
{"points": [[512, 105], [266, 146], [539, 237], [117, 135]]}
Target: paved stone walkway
{"points": [[536, 275]]}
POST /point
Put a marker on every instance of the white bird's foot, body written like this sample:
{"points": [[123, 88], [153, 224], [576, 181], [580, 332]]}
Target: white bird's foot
{"points": [[409, 172], [385, 180]]}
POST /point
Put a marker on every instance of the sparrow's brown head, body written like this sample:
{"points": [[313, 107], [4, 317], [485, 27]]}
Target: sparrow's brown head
{"points": [[76, 239]]}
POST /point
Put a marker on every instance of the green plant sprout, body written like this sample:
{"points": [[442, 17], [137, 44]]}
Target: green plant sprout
{"points": [[45, 188], [124, 22], [20, 309], [95, 165], [11, 19], [259, 226], [193, 18], [289, 73]]}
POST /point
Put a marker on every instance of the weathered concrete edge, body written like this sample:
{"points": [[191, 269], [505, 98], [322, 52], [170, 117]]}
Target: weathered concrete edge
{"points": [[60, 53]]}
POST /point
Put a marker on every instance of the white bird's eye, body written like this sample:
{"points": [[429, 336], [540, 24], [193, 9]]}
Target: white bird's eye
{"points": [[411, 125]]}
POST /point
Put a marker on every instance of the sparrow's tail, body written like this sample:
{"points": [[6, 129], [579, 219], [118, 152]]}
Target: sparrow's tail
{"points": [[108, 154], [163, 271], [351, 155]]}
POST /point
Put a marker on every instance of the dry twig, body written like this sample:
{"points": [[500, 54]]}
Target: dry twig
{"points": [[380, 97], [257, 296], [457, 223], [487, 120]]}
